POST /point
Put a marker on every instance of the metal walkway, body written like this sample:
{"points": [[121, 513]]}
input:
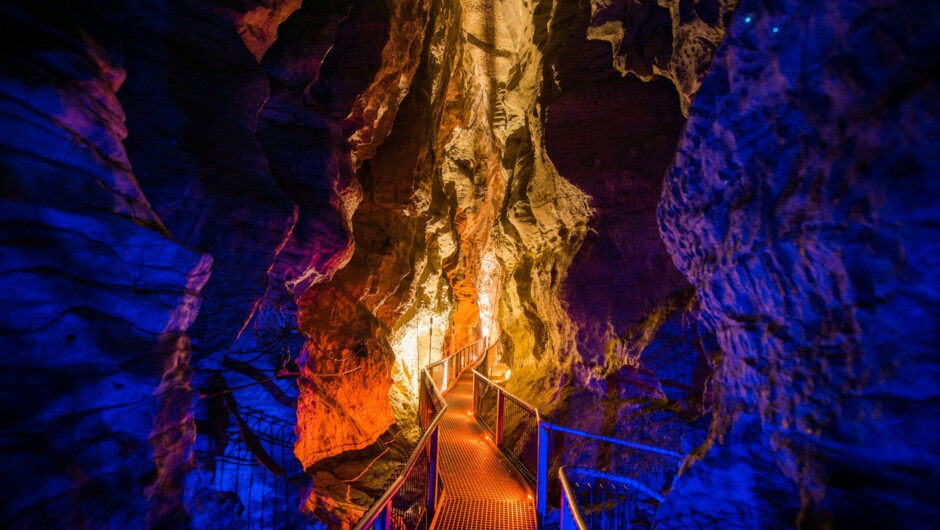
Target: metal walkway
{"points": [[481, 491]]}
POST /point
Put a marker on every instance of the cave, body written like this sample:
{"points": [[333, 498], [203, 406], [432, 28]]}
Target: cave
{"points": [[333, 264]]}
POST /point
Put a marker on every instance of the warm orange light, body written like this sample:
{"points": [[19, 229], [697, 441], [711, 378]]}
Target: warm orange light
{"points": [[529, 496]]}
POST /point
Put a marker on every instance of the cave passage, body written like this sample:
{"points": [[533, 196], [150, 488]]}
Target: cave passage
{"points": [[689, 247]]}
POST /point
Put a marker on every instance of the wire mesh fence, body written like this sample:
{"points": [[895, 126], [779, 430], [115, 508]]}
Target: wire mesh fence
{"points": [[264, 498], [607, 502], [538, 449], [409, 505], [485, 395], [520, 436]]}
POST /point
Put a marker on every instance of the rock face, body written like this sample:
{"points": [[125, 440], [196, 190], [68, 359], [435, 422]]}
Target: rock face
{"points": [[234, 232], [801, 206], [98, 297], [627, 346], [669, 39], [136, 160]]}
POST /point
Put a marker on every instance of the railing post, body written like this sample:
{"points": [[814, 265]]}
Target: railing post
{"points": [[500, 400], [476, 394], [432, 473], [384, 521], [565, 523], [541, 483], [422, 400]]}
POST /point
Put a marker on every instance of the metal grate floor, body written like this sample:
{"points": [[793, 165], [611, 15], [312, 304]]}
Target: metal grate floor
{"points": [[480, 490]]}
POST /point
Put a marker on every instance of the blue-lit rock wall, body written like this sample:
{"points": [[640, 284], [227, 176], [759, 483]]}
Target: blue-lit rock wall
{"points": [[803, 207], [157, 231], [177, 175], [97, 296]]}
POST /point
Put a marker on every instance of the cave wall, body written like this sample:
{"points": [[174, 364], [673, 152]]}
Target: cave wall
{"points": [[371, 184], [172, 250], [98, 296], [543, 217], [234, 224], [802, 206], [370, 323], [621, 288]]}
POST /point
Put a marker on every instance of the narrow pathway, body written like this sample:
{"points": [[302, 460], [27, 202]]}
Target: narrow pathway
{"points": [[480, 490]]}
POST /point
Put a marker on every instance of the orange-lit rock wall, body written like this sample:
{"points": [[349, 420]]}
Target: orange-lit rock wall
{"points": [[235, 231], [466, 225]]}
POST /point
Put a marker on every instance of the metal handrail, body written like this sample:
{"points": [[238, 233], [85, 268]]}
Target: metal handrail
{"points": [[483, 357], [567, 493], [382, 506], [453, 365], [498, 430], [505, 392], [458, 352], [616, 441], [541, 478], [570, 506]]}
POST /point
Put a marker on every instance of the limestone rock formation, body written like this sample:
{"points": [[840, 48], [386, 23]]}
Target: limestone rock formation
{"points": [[234, 232], [801, 205], [145, 128], [673, 39], [96, 382], [621, 287]]}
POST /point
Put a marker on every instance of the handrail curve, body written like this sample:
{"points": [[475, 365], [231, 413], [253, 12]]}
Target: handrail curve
{"points": [[620, 479], [616, 441], [381, 504], [379, 515], [467, 347], [519, 449], [572, 516], [567, 494]]}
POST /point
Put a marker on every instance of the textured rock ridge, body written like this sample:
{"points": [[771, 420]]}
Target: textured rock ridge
{"points": [[234, 232], [543, 217], [139, 132], [673, 39], [98, 297], [593, 314], [799, 206]]}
